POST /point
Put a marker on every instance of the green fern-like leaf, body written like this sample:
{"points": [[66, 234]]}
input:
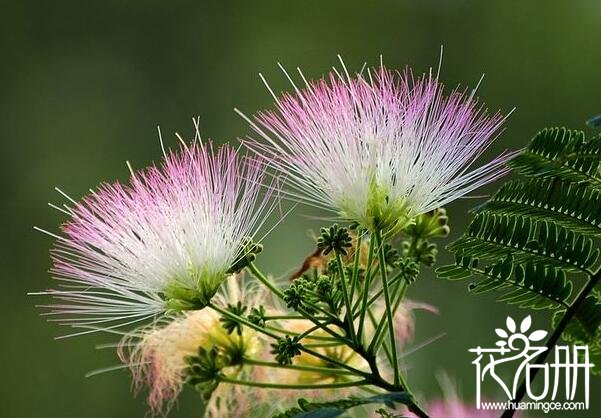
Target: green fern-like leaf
{"points": [[531, 285], [307, 409], [585, 327], [535, 232], [493, 236], [562, 153], [575, 206]]}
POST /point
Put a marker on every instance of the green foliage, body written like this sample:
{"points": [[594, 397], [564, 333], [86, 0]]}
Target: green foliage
{"points": [[561, 153], [536, 234], [585, 328], [307, 409], [595, 358], [575, 206], [491, 236], [531, 285]]}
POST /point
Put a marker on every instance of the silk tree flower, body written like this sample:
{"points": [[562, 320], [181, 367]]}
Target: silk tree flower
{"points": [[377, 149], [165, 241], [156, 354]]}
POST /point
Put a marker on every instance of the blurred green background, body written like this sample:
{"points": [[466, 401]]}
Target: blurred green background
{"points": [[84, 85]]}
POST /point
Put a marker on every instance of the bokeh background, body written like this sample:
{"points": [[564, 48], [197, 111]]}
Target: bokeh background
{"points": [[84, 85]]}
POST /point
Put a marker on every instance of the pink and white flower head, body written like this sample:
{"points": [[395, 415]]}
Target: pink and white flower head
{"points": [[378, 148], [166, 240]]}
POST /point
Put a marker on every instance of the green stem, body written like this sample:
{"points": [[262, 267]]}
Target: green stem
{"points": [[401, 296], [306, 333], [357, 257], [325, 370], [257, 328], [345, 295], [375, 324], [329, 317], [365, 294], [383, 274], [294, 387], [288, 317], [398, 277], [319, 345], [243, 321], [263, 279], [312, 337]]}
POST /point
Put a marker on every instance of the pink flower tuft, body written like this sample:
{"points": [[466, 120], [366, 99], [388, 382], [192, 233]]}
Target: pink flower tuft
{"points": [[181, 224], [378, 146]]}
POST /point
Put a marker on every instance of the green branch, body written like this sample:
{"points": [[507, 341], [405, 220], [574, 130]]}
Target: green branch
{"points": [[317, 369], [257, 328], [387, 300], [347, 302], [307, 386], [365, 293]]}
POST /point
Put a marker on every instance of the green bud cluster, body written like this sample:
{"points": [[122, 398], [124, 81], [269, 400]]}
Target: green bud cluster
{"points": [[423, 251], [408, 268], [335, 239], [285, 349], [391, 255], [248, 254], [433, 224], [204, 370], [306, 292], [230, 324], [257, 316], [293, 296]]}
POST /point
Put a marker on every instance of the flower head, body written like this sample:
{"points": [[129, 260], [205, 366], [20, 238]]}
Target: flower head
{"points": [[165, 241], [378, 149], [159, 355]]}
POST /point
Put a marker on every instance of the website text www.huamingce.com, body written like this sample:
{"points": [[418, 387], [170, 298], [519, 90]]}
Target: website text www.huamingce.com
{"points": [[534, 406]]}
